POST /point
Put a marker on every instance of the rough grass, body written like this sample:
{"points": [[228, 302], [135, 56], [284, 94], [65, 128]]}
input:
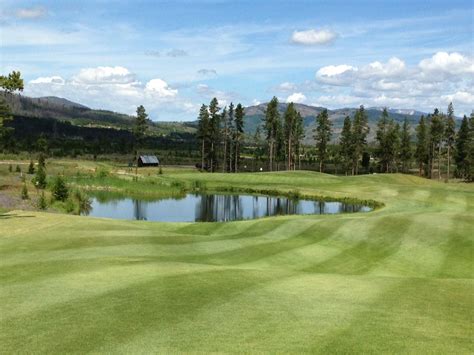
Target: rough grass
{"points": [[398, 279]]}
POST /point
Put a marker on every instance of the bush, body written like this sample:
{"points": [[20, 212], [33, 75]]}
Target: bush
{"points": [[42, 161], [42, 205], [83, 201], [10, 168], [160, 171], [18, 169], [60, 190], [31, 168], [102, 173], [40, 178], [24, 193]]}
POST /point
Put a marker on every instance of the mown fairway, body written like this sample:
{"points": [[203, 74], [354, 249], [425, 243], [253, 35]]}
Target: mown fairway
{"points": [[398, 279]]}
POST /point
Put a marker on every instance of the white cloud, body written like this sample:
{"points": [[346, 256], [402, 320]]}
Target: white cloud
{"points": [[160, 88], [461, 97], [336, 74], [286, 86], [447, 63], [31, 13], [48, 80], [104, 75], [313, 37], [296, 98], [393, 68]]}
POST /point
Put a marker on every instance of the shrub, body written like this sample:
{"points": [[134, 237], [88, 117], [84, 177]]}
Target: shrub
{"points": [[42, 202], [69, 205], [40, 178], [102, 173], [24, 193], [18, 169], [10, 168], [160, 171], [42, 160], [31, 168], [83, 201], [60, 190]]}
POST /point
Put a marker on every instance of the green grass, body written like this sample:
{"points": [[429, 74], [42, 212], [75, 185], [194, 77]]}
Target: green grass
{"points": [[398, 279]]}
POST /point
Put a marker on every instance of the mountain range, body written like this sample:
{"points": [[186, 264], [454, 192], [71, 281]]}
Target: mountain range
{"points": [[78, 114]]}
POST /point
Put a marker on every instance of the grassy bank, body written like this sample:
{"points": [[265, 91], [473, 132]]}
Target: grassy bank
{"points": [[398, 279]]}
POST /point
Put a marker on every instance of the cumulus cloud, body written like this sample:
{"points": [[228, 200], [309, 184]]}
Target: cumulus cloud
{"points": [[114, 88], [336, 74], [31, 13], [447, 63], [313, 37], [104, 75], [160, 88], [296, 98]]}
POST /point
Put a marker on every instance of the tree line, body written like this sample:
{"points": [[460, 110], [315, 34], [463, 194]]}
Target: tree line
{"points": [[221, 133], [432, 146]]}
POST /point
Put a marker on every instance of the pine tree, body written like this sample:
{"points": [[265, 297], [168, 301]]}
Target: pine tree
{"points": [[298, 137], [394, 138], [470, 148], [225, 135], [271, 124], [360, 130], [31, 168], [436, 135], [289, 131], [239, 133], [384, 150], [203, 132], [405, 148], [462, 150], [60, 190], [346, 143], [450, 135], [322, 137], [422, 146], [24, 192], [139, 132], [230, 138], [40, 177], [214, 131], [42, 205]]}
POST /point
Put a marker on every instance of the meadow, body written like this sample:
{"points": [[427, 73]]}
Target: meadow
{"points": [[398, 279]]}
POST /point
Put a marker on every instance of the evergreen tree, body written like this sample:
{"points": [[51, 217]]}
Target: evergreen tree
{"points": [[225, 135], [139, 132], [298, 137], [203, 132], [462, 150], [42, 204], [40, 177], [24, 192], [436, 135], [422, 146], [384, 150], [5, 116], [405, 148], [322, 137], [394, 138], [290, 117], [271, 125], [214, 131], [450, 135], [360, 130], [239, 133], [230, 138], [60, 190], [346, 143], [31, 168]]}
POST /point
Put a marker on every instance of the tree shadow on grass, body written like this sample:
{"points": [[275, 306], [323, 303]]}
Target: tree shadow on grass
{"points": [[6, 215]]}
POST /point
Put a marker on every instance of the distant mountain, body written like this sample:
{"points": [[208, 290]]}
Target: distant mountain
{"points": [[255, 115], [80, 115]]}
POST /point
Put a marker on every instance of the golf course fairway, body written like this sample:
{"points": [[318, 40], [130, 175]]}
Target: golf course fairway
{"points": [[397, 279]]}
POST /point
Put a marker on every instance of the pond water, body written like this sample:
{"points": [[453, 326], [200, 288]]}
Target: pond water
{"points": [[213, 208]]}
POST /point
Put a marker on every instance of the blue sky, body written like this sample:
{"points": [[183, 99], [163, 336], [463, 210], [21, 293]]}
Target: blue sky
{"points": [[172, 56]]}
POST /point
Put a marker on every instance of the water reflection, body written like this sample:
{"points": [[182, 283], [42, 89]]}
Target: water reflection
{"points": [[213, 208]]}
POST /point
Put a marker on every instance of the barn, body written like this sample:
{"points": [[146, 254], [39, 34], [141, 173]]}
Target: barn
{"points": [[148, 160]]}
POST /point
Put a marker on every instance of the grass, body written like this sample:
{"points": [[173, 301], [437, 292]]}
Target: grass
{"points": [[398, 279]]}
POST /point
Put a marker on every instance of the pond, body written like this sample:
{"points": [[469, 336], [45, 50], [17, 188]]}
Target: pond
{"points": [[213, 208]]}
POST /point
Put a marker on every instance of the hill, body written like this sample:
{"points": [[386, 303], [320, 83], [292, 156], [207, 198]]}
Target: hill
{"points": [[80, 115]]}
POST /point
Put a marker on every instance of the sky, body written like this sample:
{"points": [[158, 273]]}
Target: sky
{"points": [[172, 56]]}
